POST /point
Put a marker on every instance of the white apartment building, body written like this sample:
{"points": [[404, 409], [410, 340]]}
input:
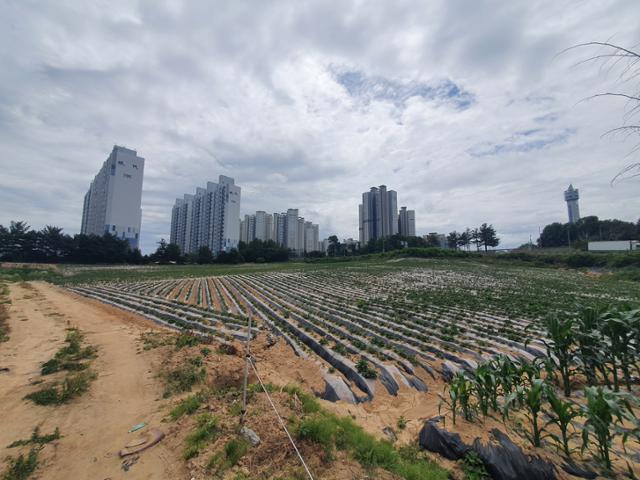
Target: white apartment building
{"points": [[208, 218], [286, 229], [112, 203]]}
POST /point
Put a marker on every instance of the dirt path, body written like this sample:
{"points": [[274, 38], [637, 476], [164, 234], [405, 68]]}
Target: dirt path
{"points": [[94, 426]]}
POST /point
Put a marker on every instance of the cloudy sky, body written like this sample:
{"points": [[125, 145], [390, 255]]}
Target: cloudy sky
{"points": [[462, 106]]}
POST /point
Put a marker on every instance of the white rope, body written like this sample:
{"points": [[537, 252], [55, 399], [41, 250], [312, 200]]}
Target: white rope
{"points": [[284, 427]]}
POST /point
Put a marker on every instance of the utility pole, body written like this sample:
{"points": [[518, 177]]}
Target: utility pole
{"points": [[247, 359]]}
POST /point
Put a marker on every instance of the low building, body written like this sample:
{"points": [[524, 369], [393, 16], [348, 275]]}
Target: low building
{"points": [[614, 246]]}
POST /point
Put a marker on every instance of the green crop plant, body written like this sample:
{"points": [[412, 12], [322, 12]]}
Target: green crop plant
{"points": [[561, 413], [485, 388], [590, 342], [561, 343], [534, 397], [620, 327], [605, 411], [460, 395]]}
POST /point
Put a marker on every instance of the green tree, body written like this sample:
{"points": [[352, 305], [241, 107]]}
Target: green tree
{"points": [[452, 240], [204, 255], [488, 237], [334, 246]]}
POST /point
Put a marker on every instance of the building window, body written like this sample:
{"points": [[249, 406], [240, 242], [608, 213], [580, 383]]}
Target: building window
{"points": [[120, 162], [135, 166], [126, 175], [113, 228]]}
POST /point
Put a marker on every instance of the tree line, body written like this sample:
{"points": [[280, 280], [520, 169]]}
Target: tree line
{"points": [[484, 237], [587, 229], [19, 243]]}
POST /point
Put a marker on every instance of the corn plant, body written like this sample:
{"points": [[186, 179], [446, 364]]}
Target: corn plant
{"points": [[534, 397], [604, 411], [561, 413], [485, 387], [619, 327], [561, 343], [589, 353], [460, 395], [508, 374]]}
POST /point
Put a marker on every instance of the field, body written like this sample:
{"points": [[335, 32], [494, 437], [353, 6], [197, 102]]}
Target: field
{"points": [[388, 343], [381, 320]]}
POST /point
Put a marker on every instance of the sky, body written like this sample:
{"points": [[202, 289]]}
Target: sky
{"points": [[467, 108]]}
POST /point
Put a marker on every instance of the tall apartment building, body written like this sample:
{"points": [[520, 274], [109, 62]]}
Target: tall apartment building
{"points": [[407, 222], [208, 218], [571, 196], [112, 203], [286, 229], [378, 214]]}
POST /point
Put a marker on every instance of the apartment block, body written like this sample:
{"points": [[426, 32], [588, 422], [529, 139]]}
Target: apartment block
{"points": [[208, 218], [113, 202], [287, 229]]}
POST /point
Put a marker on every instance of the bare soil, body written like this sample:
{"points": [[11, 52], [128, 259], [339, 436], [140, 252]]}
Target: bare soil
{"points": [[94, 426]]}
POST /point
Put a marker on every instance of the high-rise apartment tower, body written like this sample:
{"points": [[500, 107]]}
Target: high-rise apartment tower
{"points": [[208, 218], [378, 214], [112, 203]]}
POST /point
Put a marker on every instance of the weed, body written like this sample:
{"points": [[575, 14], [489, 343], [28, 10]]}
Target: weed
{"points": [[186, 340], [72, 386], [473, 467], [22, 467], [183, 378], [229, 456], [402, 423], [186, 407], [342, 433], [205, 351], [37, 439], [207, 430]]}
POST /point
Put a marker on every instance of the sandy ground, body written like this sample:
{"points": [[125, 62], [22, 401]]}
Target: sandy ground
{"points": [[94, 426]]}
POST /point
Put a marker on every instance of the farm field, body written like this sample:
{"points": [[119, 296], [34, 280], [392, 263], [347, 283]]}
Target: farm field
{"points": [[385, 320], [393, 344]]}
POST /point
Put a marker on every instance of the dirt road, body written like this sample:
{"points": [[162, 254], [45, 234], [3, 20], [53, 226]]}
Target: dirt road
{"points": [[94, 426]]}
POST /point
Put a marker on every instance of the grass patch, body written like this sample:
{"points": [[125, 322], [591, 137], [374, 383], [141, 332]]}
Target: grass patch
{"points": [[309, 403], [37, 439], [187, 340], [72, 386], [341, 433], [187, 406], [183, 378], [151, 340], [207, 430], [229, 456], [21, 467], [71, 356]]}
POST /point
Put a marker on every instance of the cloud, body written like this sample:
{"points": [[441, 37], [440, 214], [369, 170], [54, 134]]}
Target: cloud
{"points": [[461, 106]]}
